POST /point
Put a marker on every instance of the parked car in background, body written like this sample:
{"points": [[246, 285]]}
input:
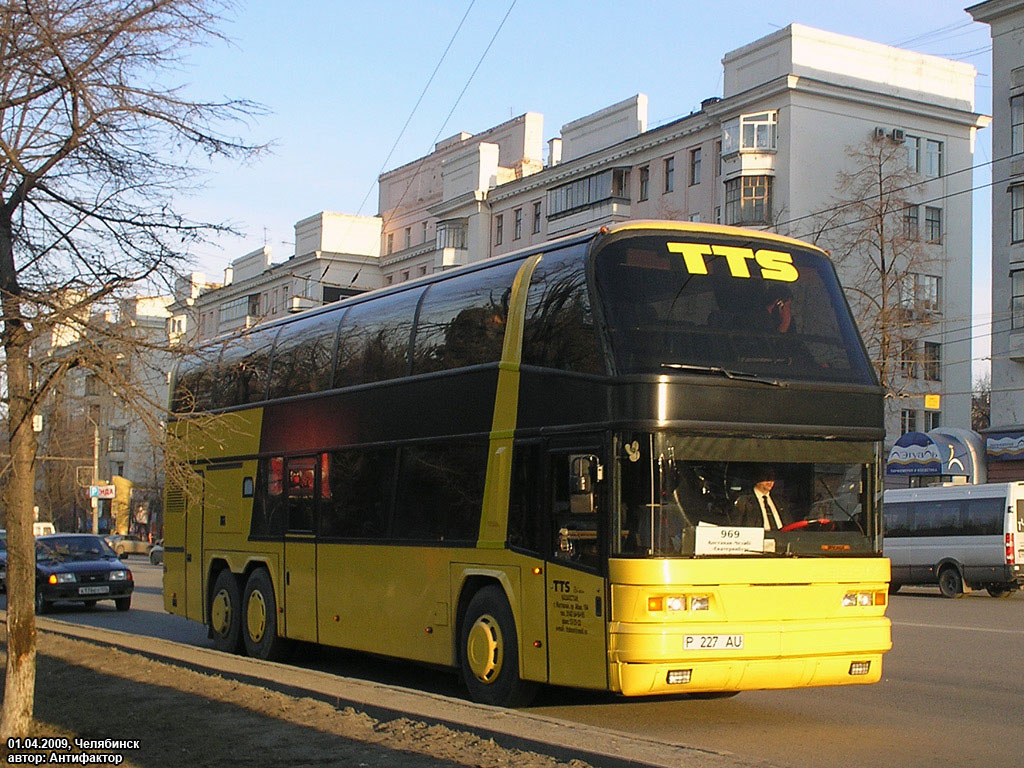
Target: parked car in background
{"points": [[80, 567], [156, 553], [128, 545]]}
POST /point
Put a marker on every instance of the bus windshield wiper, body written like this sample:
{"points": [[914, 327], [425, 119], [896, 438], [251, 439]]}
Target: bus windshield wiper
{"points": [[727, 373]]}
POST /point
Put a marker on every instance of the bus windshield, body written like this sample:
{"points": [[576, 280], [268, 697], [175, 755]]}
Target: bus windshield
{"points": [[719, 304], [674, 504]]}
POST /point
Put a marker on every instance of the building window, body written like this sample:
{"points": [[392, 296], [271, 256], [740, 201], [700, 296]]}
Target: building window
{"points": [[718, 214], [932, 224], [670, 174], [913, 144], [92, 385], [116, 439], [424, 232], [910, 224], [748, 200], [695, 157], [908, 421], [932, 361], [408, 237], [423, 269], [405, 275], [932, 420], [1017, 213], [645, 182], [924, 156], [391, 243], [718, 158], [1017, 300], [499, 229], [694, 217], [908, 359], [451, 234], [590, 190], [1017, 125], [752, 133], [389, 279], [536, 217], [517, 224]]}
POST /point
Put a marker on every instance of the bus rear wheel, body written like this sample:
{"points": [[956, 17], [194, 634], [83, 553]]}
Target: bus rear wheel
{"points": [[226, 613], [489, 652], [259, 618], [951, 585]]}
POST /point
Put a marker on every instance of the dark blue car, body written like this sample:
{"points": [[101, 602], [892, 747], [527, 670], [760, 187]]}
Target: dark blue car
{"points": [[80, 567]]}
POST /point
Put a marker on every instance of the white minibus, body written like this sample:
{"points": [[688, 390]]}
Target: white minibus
{"points": [[956, 536]]}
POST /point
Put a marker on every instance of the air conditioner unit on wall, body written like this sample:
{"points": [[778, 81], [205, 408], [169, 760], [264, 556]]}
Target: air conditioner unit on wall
{"points": [[879, 133], [898, 135]]}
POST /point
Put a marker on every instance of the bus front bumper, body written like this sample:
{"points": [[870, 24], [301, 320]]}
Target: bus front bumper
{"points": [[647, 660]]}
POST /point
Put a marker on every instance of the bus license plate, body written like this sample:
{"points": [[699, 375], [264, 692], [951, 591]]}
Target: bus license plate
{"points": [[93, 590], [712, 642]]}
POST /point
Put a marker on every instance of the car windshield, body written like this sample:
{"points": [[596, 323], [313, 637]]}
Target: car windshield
{"points": [[76, 547]]}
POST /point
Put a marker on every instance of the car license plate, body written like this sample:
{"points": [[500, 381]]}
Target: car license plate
{"points": [[712, 642], [93, 590]]}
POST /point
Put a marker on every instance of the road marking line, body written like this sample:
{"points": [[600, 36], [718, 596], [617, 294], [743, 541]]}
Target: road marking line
{"points": [[953, 626]]}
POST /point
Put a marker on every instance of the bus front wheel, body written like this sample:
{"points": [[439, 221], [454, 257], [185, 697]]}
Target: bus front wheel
{"points": [[226, 613], [489, 652], [259, 618], [951, 585]]}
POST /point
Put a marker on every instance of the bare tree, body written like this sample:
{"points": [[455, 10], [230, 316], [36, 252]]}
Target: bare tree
{"points": [[94, 148], [981, 403], [886, 261]]}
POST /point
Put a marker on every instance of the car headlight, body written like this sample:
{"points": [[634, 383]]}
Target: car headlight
{"points": [[62, 578], [118, 575]]}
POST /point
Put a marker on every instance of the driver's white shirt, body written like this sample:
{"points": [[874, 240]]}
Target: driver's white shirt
{"points": [[761, 499]]}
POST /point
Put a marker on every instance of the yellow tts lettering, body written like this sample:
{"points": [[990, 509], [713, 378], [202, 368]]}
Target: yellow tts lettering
{"points": [[693, 256], [774, 265], [736, 258]]}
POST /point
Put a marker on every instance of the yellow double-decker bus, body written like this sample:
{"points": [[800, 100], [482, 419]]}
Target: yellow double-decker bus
{"points": [[539, 468]]}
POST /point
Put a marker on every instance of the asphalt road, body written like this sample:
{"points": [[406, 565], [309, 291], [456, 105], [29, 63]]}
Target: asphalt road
{"points": [[952, 692]]}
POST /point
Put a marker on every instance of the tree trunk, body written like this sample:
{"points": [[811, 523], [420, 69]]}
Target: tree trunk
{"points": [[19, 685]]}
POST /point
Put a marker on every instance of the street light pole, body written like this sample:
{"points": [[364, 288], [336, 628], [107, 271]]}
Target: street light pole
{"points": [[95, 474]]}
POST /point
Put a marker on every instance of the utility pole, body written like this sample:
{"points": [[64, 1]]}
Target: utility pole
{"points": [[95, 475]]}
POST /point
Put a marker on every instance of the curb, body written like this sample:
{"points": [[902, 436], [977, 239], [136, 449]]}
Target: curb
{"points": [[513, 729]]}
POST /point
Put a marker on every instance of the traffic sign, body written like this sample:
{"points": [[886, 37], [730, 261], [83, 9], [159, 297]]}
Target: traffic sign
{"points": [[101, 491]]}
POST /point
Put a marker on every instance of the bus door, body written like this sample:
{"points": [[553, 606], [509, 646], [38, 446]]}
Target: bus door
{"points": [[577, 605], [195, 503], [301, 480]]}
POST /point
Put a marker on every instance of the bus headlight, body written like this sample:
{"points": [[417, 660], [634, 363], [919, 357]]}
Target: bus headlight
{"points": [[863, 599], [700, 603]]}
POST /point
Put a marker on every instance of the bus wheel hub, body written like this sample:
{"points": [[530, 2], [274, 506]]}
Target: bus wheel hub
{"points": [[220, 613], [256, 616], [485, 650]]}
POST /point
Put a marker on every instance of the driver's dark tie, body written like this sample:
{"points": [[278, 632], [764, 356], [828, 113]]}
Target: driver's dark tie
{"points": [[767, 513]]}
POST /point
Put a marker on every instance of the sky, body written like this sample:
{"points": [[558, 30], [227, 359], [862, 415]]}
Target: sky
{"points": [[340, 82]]}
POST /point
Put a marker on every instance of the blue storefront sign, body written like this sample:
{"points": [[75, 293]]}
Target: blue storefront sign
{"points": [[1005, 446]]}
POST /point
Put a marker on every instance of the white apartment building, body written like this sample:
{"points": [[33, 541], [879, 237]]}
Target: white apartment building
{"points": [[765, 154], [336, 255], [1005, 438]]}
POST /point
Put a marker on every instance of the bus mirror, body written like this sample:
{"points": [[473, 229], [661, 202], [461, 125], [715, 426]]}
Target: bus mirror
{"points": [[584, 472]]}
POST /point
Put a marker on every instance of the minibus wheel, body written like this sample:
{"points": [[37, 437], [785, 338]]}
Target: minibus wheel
{"points": [[998, 590], [951, 584]]}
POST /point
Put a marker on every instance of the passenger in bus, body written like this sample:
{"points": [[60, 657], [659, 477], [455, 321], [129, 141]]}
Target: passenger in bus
{"points": [[758, 508]]}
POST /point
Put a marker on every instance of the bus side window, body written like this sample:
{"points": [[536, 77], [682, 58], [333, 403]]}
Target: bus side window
{"points": [[268, 517], [301, 491], [525, 521]]}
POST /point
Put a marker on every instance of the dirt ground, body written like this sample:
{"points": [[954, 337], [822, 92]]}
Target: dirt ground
{"points": [[180, 717]]}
